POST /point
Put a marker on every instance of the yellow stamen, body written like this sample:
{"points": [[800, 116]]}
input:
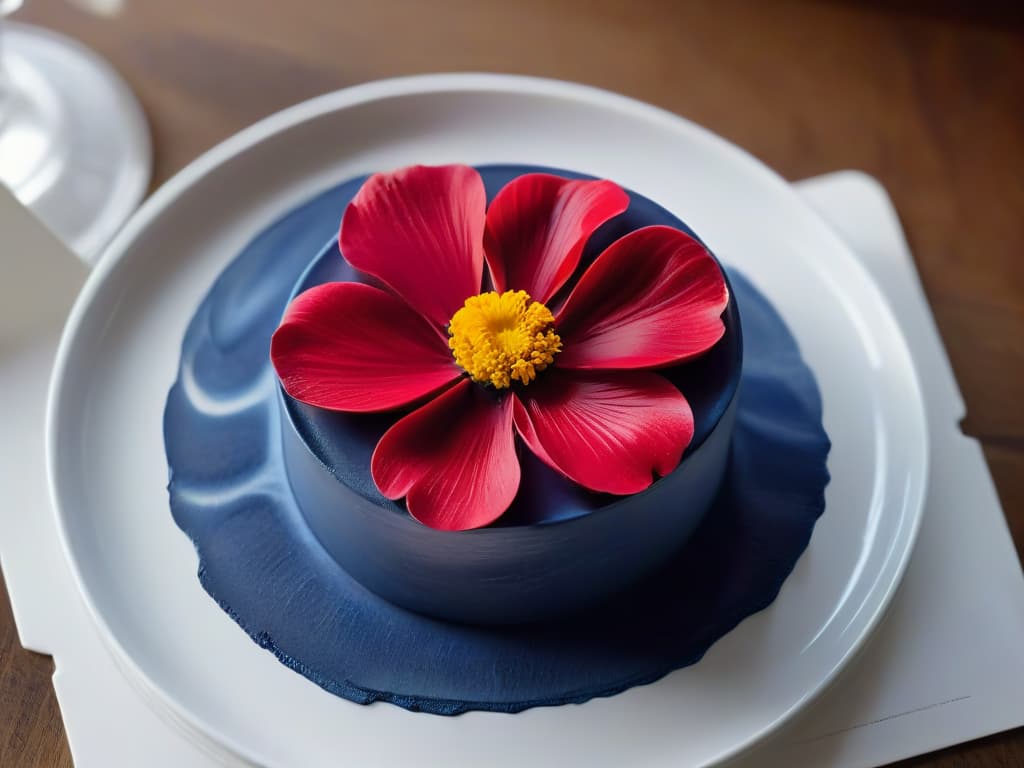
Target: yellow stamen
{"points": [[501, 338]]}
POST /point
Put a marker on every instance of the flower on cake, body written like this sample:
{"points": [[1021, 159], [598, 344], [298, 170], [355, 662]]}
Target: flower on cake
{"points": [[474, 325]]}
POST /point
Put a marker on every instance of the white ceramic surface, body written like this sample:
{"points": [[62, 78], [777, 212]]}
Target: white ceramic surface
{"points": [[136, 570]]}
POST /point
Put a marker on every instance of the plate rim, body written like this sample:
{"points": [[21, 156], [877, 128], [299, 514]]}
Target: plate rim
{"points": [[181, 717]]}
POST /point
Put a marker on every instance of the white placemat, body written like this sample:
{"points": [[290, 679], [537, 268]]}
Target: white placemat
{"points": [[944, 667]]}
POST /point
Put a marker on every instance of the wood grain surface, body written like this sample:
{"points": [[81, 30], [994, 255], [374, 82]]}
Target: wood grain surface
{"points": [[927, 97]]}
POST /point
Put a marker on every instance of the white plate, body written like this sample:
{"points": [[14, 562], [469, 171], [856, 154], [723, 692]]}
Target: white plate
{"points": [[136, 570]]}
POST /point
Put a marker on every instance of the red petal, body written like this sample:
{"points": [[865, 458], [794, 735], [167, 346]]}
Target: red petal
{"points": [[608, 431], [353, 347], [420, 231], [454, 459], [537, 226], [653, 298]]}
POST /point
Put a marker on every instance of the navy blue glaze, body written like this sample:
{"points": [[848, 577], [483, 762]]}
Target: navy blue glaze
{"points": [[260, 562], [524, 568]]}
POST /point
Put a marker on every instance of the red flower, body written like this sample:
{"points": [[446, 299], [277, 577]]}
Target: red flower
{"points": [[483, 365]]}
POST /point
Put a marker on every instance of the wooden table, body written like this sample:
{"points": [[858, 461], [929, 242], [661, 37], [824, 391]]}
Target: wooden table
{"points": [[930, 100]]}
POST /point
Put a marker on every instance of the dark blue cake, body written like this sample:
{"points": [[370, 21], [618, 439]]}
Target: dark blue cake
{"points": [[559, 548], [233, 496]]}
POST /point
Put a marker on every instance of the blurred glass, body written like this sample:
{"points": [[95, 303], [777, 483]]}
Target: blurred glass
{"points": [[6, 7], [74, 145], [26, 130]]}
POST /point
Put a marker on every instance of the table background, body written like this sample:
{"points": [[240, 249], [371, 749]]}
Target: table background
{"points": [[927, 97]]}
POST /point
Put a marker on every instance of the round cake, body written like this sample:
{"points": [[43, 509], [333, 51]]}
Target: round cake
{"points": [[305, 538], [558, 546]]}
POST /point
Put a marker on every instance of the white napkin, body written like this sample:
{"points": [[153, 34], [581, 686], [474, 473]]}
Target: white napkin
{"points": [[946, 665]]}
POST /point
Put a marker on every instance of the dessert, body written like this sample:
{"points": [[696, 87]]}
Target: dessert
{"points": [[296, 543], [503, 411]]}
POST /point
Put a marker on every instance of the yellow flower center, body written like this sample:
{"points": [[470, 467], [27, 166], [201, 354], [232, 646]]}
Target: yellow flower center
{"points": [[501, 338]]}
